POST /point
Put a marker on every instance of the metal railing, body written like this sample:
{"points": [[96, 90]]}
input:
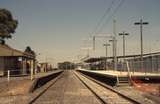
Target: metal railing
{"points": [[135, 66]]}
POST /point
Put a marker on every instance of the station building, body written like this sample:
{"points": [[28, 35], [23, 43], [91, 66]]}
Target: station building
{"points": [[17, 62]]}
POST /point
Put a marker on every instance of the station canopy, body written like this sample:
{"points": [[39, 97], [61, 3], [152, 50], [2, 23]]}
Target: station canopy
{"points": [[97, 59]]}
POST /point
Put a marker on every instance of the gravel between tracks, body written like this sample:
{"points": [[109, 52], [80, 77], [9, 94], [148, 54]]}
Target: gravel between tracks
{"points": [[67, 90]]}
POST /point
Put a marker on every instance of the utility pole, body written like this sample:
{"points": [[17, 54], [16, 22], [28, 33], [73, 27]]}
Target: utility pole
{"points": [[114, 45], [88, 52], [106, 46], [94, 40], [123, 34], [113, 49], [141, 23]]}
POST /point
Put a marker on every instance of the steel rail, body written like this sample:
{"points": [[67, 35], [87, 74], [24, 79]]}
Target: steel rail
{"points": [[94, 93], [41, 93], [111, 89]]}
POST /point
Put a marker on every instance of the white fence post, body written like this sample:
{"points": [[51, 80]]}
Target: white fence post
{"points": [[32, 68], [128, 69], [8, 75]]}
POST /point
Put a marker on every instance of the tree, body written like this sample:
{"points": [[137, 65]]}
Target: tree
{"points": [[7, 24], [29, 50]]}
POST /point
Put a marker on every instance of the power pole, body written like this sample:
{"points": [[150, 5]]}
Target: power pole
{"points": [[106, 46], [94, 40], [141, 23], [114, 45], [113, 50], [123, 34]]}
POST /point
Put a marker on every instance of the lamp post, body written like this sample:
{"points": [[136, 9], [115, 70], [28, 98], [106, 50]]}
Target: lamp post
{"points": [[106, 46], [123, 34], [114, 41], [141, 23], [114, 45]]}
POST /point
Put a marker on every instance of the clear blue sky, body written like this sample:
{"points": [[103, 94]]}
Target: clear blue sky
{"points": [[56, 28]]}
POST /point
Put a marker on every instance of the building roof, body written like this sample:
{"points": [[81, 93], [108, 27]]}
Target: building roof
{"points": [[7, 51], [96, 59]]}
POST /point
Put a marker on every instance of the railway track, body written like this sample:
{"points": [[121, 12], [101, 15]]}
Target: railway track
{"points": [[76, 88], [67, 90], [43, 90], [107, 95], [97, 96]]}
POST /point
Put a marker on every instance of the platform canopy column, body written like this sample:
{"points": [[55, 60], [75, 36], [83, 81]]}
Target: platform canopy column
{"points": [[24, 65], [31, 68]]}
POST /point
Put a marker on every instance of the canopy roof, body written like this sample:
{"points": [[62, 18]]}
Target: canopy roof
{"points": [[96, 59]]}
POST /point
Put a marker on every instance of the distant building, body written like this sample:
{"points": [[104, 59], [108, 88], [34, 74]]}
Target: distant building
{"points": [[66, 65], [16, 61], [43, 67]]}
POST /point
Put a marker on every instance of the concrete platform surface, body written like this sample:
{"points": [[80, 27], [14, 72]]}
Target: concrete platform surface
{"points": [[18, 87], [122, 74]]}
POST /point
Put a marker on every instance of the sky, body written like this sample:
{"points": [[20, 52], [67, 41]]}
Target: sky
{"points": [[58, 30]]}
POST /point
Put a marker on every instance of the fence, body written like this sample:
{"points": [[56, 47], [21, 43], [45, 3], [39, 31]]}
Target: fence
{"points": [[147, 66], [150, 64], [16, 72]]}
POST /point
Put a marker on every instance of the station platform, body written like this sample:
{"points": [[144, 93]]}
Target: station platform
{"points": [[20, 84], [113, 73], [112, 77]]}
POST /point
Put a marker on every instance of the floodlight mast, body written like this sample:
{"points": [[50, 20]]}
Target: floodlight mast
{"points": [[123, 34], [141, 23]]}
